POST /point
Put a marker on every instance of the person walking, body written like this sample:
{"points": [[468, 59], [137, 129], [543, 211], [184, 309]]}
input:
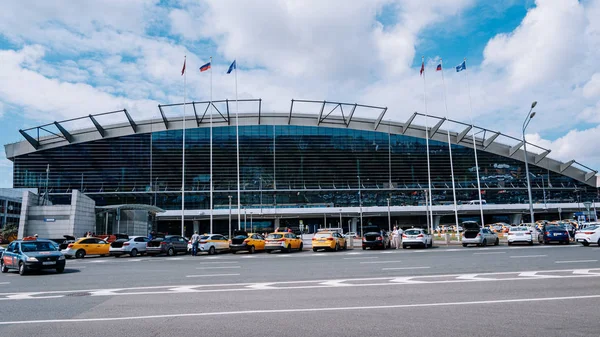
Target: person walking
{"points": [[396, 236], [394, 233], [195, 241]]}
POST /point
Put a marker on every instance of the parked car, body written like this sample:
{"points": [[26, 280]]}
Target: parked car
{"points": [[65, 243], [587, 235], [110, 238], [32, 254], [329, 241], [133, 246], [86, 246], [250, 242], [375, 238], [476, 235], [520, 234], [213, 243], [556, 233], [283, 241], [416, 237], [170, 245], [353, 235]]}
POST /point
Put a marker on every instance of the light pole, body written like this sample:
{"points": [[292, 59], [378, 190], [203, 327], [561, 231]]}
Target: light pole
{"points": [[250, 221], [360, 206], [261, 200], [245, 219], [530, 115], [229, 217], [341, 224], [389, 217]]}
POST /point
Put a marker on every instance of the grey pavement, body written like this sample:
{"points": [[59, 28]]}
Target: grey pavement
{"points": [[455, 291]]}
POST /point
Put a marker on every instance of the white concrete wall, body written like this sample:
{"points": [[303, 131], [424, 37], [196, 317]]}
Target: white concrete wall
{"points": [[38, 221], [83, 214]]}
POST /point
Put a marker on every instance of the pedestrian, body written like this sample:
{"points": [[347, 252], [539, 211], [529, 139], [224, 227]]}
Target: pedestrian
{"points": [[195, 241], [289, 230], [398, 234], [151, 235], [394, 236]]}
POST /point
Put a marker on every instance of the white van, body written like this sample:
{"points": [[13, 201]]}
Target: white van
{"points": [[476, 202]]}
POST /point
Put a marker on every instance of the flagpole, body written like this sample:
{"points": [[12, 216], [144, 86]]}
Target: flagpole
{"points": [[449, 148], [427, 145], [474, 146], [211, 149], [183, 154], [237, 147]]}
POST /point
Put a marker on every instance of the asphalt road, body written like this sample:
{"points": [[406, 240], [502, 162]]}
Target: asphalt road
{"points": [[444, 291]]}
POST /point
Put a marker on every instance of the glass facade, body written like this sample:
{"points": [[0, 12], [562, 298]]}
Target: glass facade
{"points": [[285, 166]]}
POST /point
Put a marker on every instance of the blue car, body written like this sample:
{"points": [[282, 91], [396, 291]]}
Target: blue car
{"points": [[32, 254], [554, 233]]}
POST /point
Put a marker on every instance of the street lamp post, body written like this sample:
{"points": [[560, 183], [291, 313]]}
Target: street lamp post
{"points": [[342, 225], [389, 217], [250, 221], [530, 115], [229, 217], [245, 218], [360, 207]]}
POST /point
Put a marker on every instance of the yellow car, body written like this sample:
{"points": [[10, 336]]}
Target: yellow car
{"points": [[87, 246], [283, 241], [329, 241], [250, 242]]}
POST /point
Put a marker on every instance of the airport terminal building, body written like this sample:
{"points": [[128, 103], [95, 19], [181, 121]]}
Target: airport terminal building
{"points": [[326, 167]]}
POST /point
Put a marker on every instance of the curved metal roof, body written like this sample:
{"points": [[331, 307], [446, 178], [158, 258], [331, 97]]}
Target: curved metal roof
{"points": [[485, 139]]}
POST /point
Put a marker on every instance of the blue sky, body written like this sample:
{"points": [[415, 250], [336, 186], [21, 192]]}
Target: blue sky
{"points": [[62, 60]]}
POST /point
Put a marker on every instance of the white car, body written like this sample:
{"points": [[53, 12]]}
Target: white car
{"points": [[590, 234], [520, 234], [416, 237], [213, 243], [476, 235], [133, 246]]}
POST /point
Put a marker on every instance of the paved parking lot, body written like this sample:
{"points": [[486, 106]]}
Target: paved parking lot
{"points": [[451, 291]]}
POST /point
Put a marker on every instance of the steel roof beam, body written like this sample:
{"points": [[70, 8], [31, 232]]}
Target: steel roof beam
{"points": [[64, 132], [321, 113], [487, 142], [31, 140], [541, 156], [291, 109], [259, 108], [351, 114], [195, 113], [513, 149], [408, 123], [436, 127], [566, 165], [164, 118], [378, 121], [463, 134], [228, 117], [589, 175], [131, 122], [98, 126]]}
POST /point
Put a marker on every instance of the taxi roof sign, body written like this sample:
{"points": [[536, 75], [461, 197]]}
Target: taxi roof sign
{"points": [[29, 238]]}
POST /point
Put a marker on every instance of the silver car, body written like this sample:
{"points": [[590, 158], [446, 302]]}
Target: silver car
{"points": [[476, 235], [133, 246]]}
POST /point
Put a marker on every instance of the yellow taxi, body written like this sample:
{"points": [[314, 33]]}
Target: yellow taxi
{"points": [[283, 241], [250, 242], [87, 246], [329, 240]]}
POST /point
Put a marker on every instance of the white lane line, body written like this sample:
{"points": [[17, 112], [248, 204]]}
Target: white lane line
{"points": [[213, 257], [248, 257], [212, 275], [405, 268], [381, 261], [488, 253], [580, 261], [353, 253], [387, 252], [223, 262], [361, 258], [294, 310], [4, 282], [226, 267], [523, 256]]}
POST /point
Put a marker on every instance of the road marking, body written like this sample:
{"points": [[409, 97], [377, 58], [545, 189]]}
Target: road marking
{"points": [[381, 261], [487, 253], [220, 262], [361, 258], [523, 256], [4, 282], [405, 268], [295, 310], [248, 257], [213, 257], [212, 275], [225, 267], [353, 253], [580, 261]]}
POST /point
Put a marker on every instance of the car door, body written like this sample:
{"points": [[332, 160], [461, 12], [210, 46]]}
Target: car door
{"points": [[220, 242], [181, 244], [259, 242], [103, 247], [140, 243], [8, 256]]}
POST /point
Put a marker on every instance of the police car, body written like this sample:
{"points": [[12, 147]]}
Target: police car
{"points": [[32, 254]]}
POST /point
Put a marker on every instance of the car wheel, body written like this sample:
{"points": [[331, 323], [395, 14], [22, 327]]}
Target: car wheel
{"points": [[484, 243], [431, 243], [170, 252], [301, 247], [60, 270], [252, 249], [497, 242], [3, 268], [531, 243], [133, 252], [337, 247], [345, 246], [289, 248], [509, 243], [585, 243], [22, 268], [269, 251], [211, 250], [80, 254], [364, 248], [403, 246], [464, 244], [315, 250]]}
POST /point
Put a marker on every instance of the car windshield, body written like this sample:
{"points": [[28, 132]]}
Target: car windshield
{"points": [[274, 236], [412, 232], [204, 237], [37, 247], [591, 228], [240, 236], [554, 228], [323, 235]]}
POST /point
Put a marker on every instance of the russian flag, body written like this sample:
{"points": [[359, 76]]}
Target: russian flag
{"points": [[439, 67], [205, 67]]}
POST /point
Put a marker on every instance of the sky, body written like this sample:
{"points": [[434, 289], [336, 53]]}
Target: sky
{"points": [[63, 59]]}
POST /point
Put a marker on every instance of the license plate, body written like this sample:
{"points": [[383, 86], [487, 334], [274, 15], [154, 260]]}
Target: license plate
{"points": [[519, 234], [556, 234], [48, 263], [412, 236]]}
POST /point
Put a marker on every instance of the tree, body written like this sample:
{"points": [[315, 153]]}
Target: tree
{"points": [[9, 233]]}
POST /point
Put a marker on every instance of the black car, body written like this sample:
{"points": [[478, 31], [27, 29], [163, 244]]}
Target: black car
{"points": [[375, 238], [170, 245], [32, 254], [554, 233]]}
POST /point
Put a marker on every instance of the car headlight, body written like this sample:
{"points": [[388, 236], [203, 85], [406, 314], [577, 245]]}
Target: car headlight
{"points": [[62, 257], [32, 259]]}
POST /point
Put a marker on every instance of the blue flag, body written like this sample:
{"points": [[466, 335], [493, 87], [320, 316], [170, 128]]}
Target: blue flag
{"points": [[231, 67], [462, 66]]}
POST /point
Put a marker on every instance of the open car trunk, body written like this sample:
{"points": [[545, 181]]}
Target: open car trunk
{"points": [[471, 229], [155, 243]]}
